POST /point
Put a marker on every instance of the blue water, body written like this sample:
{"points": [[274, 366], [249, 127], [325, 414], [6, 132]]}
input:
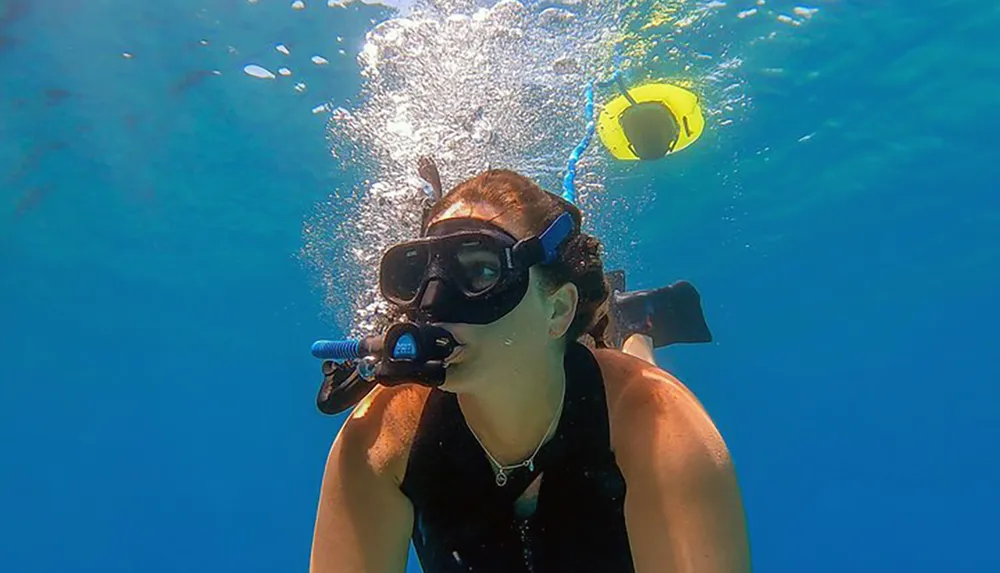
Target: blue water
{"points": [[156, 393]]}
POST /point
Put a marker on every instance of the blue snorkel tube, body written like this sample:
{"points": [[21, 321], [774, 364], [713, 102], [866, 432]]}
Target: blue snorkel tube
{"points": [[352, 368], [342, 350], [569, 180], [415, 354]]}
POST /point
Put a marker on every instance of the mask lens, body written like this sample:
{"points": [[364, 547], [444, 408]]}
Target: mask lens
{"points": [[478, 267], [403, 269]]}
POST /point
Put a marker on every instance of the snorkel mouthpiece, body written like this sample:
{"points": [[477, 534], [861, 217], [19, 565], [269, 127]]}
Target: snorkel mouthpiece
{"points": [[407, 353]]}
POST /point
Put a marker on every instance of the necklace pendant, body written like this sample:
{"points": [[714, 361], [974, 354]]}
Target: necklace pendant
{"points": [[501, 478], [531, 465]]}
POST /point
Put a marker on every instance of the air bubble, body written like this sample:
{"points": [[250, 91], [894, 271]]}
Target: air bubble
{"points": [[258, 72], [805, 12]]}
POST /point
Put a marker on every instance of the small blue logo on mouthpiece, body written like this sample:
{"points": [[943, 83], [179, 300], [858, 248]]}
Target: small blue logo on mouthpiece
{"points": [[406, 347]]}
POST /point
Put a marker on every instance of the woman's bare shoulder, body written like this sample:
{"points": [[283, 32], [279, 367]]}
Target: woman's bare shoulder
{"points": [[383, 425], [629, 378], [677, 468], [641, 394]]}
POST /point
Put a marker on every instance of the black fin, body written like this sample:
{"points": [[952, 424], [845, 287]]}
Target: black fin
{"points": [[669, 315], [342, 387]]}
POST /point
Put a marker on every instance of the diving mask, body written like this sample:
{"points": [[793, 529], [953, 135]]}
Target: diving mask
{"points": [[466, 270]]}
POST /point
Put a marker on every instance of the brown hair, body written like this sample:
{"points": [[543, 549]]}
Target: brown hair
{"points": [[579, 257]]}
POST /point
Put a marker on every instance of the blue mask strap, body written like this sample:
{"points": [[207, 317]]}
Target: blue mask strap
{"points": [[554, 236]]}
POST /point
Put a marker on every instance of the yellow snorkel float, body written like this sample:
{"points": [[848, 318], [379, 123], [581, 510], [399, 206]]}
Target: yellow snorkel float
{"points": [[649, 122]]}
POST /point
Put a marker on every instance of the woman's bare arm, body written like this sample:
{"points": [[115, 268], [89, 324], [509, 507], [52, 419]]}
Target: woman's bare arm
{"points": [[363, 522]]}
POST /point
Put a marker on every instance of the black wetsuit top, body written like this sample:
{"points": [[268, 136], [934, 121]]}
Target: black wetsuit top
{"points": [[464, 522]]}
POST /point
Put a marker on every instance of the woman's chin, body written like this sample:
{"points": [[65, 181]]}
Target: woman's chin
{"points": [[454, 379]]}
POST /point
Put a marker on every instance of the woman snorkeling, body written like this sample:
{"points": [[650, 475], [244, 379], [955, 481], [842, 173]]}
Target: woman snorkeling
{"points": [[537, 453]]}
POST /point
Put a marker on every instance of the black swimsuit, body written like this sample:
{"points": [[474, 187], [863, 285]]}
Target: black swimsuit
{"points": [[464, 522]]}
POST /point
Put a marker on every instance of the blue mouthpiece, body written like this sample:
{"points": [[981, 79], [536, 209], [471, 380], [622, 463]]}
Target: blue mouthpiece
{"points": [[337, 349], [406, 348]]}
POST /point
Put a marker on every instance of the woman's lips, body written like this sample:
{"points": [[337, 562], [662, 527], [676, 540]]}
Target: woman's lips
{"points": [[455, 354]]}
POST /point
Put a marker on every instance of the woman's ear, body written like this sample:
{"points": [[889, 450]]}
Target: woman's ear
{"points": [[562, 309]]}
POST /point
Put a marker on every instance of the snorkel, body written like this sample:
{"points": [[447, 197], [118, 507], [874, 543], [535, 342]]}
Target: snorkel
{"points": [[408, 352]]}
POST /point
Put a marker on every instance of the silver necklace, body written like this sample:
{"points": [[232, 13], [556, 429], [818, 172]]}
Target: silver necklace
{"points": [[528, 463]]}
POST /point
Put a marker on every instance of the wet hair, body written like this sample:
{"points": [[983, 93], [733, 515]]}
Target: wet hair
{"points": [[579, 257]]}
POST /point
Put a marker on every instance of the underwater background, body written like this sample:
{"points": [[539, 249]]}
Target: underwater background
{"points": [[161, 276]]}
